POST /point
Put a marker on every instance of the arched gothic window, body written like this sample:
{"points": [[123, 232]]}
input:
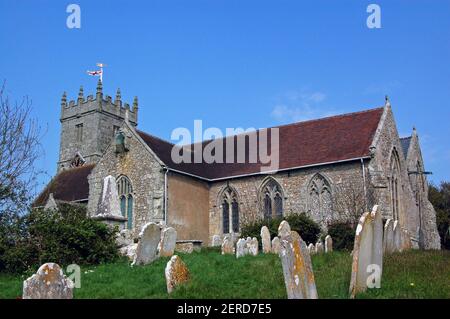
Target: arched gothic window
{"points": [[272, 196], [394, 184], [320, 198], [125, 191], [230, 211]]}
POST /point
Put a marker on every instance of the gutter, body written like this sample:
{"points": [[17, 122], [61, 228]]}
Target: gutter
{"points": [[266, 172], [165, 195], [364, 182]]}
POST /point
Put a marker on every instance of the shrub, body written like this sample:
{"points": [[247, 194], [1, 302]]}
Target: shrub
{"points": [[301, 223], [63, 237], [343, 235]]}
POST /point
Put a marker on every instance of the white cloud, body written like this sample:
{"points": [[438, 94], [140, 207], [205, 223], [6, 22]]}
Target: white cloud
{"points": [[294, 106]]}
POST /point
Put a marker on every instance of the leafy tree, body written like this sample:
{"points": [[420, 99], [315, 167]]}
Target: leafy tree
{"points": [[439, 196]]}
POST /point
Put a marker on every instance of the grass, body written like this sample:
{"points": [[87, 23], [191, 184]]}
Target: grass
{"points": [[414, 274]]}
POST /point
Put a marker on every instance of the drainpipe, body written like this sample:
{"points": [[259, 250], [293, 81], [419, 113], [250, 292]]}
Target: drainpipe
{"points": [[364, 182], [165, 195]]}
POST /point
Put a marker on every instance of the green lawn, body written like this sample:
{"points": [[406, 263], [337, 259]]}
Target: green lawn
{"points": [[414, 274]]}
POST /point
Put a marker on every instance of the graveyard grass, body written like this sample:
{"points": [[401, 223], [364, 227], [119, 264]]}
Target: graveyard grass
{"points": [[413, 274]]}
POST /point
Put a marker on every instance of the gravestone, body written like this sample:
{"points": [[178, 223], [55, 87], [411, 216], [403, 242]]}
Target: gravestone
{"points": [[265, 239], [312, 249], [284, 230], [109, 207], [406, 240], [253, 247], [388, 237], [186, 248], [49, 282], [367, 250], [276, 246], [297, 268], [176, 273], [319, 247], [216, 241], [147, 248], [227, 246], [240, 248], [397, 237], [328, 244], [166, 246]]}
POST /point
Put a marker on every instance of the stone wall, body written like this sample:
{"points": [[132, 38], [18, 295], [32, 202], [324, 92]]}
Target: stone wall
{"points": [[144, 172]]}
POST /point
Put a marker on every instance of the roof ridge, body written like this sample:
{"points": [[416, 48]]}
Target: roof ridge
{"points": [[154, 136]]}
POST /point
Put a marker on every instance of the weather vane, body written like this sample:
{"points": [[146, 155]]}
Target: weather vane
{"points": [[98, 72]]}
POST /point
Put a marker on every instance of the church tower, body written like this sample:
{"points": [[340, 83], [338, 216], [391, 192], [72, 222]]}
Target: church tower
{"points": [[89, 125]]}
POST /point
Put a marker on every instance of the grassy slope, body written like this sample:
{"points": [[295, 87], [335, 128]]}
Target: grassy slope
{"points": [[217, 276]]}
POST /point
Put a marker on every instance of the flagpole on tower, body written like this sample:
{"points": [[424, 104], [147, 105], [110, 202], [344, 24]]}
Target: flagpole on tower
{"points": [[98, 73]]}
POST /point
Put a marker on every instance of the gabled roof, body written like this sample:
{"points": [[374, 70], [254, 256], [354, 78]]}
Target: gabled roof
{"points": [[69, 185], [322, 141], [405, 142]]}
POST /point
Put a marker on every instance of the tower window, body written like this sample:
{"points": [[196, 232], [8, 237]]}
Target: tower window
{"points": [[79, 129]]}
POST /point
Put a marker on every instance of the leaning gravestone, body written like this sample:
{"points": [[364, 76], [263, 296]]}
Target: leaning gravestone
{"points": [[367, 251], [253, 247], [297, 268], [276, 246], [397, 237], [265, 239], [311, 249], [240, 247], [227, 246], [168, 242], [216, 242], [388, 237], [319, 247], [48, 283], [176, 273], [328, 244], [147, 248]]}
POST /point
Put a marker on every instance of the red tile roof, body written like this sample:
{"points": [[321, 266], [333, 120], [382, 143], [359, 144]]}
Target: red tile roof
{"points": [[69, 185], [315, 142]]}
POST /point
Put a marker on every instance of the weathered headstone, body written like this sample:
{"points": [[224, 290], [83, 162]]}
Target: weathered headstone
{"points": [[265, 240], [176, 273], [297, 268], [367, 251], [328, 244], [284, 230], [240, 248], [276, 246], [166, 246], [129, 251], [397, 237], [319, 247], [147, 248], [388, 237], [216, 241], [253, 247], [311, 249], [48, 283], [109, 202], [227, 246], [186, 248]]}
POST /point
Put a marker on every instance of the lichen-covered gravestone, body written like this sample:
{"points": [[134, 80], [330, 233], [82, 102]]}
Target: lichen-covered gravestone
{"points": [[276, 246], [176, 273], [284, 230], [253, 248], [48, 283], [186, 248], [328, 244], [227, 246], [297, 268], [265, 239], [168, 241], [147, 248], [367, 250], [388, 237], [216, 242], [319, 247], [240, 248]]}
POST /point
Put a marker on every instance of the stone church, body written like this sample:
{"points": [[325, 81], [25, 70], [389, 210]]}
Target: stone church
{"points": [[331, 168]]}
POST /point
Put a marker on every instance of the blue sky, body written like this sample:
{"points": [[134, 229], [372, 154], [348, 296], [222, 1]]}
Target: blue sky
{"points": [[236, 63]]}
